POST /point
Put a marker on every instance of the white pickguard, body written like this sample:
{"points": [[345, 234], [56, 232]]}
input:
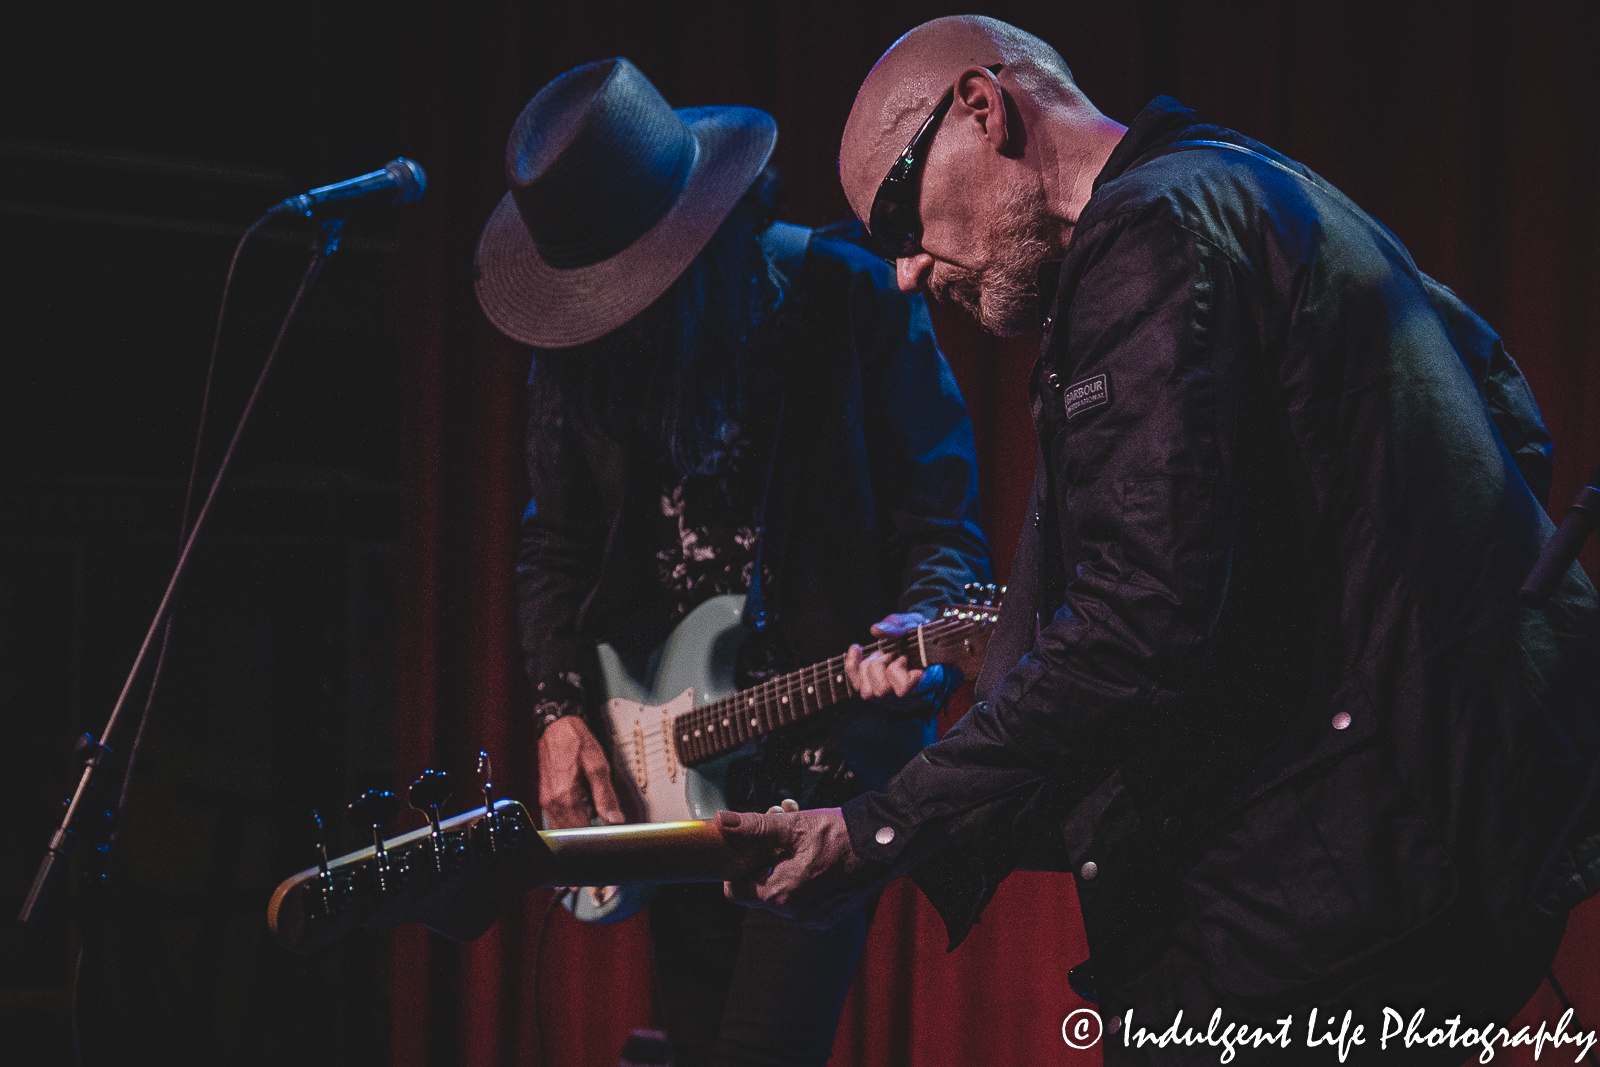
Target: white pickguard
{"points": [[695, 666], [644, 695]]}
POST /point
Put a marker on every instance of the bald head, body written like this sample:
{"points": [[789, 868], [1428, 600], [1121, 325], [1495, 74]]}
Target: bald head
{"points": [[915, 73], [997, 186]]}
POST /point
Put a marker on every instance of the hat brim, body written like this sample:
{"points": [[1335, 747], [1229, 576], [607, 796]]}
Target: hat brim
{"points": [[537, 304]]}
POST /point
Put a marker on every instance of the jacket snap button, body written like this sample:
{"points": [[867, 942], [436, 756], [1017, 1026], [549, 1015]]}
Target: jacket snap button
{"points": [[1089, 870], [1053, 381], [1341, 721], [1172, 826], [884, 835]]}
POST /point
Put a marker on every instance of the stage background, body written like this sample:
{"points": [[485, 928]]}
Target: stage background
{"points": [[349, 620], [1467, 128]]}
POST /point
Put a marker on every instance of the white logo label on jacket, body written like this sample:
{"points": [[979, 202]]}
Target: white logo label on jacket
{"points": [[1091, 394]]}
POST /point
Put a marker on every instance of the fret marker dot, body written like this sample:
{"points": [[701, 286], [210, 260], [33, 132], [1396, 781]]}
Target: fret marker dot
{"points": [[752, 700], [724, 722], [840, 678], [752, 722], [697, 733], [811, 689], [783, 700], [686, 737]]}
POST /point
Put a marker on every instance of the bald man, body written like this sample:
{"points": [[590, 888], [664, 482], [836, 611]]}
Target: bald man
{"points": [[1283, 717]]}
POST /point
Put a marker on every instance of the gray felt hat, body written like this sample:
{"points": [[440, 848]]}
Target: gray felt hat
{"points": [[613, 194]]}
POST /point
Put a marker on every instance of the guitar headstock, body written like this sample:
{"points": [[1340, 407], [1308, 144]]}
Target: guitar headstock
{"points": [[982, 606], [454, 877], [961, 632], [457, 875]]}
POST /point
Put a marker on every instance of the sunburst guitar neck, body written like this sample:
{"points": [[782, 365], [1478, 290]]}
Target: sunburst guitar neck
{"points": [[458, 878]]}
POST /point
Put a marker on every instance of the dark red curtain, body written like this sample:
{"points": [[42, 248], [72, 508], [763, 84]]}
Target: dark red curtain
{"points": [[1467, 126]]}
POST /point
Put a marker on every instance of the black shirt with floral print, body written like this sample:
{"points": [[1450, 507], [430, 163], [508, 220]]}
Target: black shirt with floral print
{"points": [[708, 536]]}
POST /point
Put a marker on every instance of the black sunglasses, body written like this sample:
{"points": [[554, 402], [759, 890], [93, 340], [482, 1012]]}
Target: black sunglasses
{"points": [[895, 223]]}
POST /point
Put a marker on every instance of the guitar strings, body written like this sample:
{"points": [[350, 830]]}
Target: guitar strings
{"points": [[760, 695], [787, 685]]}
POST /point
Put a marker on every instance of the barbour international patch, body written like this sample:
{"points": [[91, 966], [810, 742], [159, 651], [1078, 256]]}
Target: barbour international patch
{"points": [[1091, 394]]}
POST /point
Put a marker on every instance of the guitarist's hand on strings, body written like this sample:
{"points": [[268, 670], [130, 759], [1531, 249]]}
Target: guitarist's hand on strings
{"points": [[892, 681], [573, 775]]}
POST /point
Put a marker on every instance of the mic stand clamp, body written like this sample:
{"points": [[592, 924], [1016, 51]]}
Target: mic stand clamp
{"points": [[60, 846]]}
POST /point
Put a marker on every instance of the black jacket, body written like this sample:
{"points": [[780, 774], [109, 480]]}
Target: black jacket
{"points": [[872, 506], [1294, 486]]}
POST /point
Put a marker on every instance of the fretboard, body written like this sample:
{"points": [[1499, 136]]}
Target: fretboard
{"points": [[723, 725]]}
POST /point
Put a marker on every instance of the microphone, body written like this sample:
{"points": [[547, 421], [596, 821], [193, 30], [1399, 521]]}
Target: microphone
{"points": [[1582, 519], [402, 180]]}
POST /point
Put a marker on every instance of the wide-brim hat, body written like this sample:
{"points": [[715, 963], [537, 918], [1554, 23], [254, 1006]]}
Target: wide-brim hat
{"points": [[613, 194]]}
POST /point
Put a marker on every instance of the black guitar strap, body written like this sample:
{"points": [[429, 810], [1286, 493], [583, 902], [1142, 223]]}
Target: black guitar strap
{"points": [[755, 610], [1015, 630], [785, 248]]}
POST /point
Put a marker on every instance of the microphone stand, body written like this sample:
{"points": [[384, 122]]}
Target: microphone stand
{"points": [[97, 753]]}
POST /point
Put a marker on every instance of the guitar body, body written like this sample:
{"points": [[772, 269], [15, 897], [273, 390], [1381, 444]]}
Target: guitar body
{"points": [[678, 719], [642, 697]]}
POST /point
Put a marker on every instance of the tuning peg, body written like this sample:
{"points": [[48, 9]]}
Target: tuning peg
{"points": [[486, 774], [324, 879], [491, 824], [427, 793], [989, 592], [373, 810], [322, 843]]}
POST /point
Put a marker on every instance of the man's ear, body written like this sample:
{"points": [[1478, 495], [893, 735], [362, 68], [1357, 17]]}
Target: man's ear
{"points": [[978, 92]]}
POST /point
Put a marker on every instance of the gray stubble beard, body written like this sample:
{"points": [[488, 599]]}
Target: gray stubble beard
{"points": [[1003, 293]]}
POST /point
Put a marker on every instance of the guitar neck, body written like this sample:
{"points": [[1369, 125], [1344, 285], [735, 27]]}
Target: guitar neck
{"points": [[724, 725], [461, 881]]}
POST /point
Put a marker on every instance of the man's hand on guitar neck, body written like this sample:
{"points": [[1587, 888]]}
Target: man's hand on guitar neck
{"points": [[818, 878], [573, 774], [893, 682]]}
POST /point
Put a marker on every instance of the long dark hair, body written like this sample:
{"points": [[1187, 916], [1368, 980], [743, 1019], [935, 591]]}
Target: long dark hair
{"points": [[689, 368]]}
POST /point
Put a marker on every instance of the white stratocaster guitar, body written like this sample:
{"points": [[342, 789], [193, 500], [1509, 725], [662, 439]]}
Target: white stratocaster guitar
{"points": [[677, 720]]}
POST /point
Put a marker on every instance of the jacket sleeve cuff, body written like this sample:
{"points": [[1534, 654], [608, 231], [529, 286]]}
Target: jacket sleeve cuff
{"points": [[956, 886], [875, 834], [556, 696]]}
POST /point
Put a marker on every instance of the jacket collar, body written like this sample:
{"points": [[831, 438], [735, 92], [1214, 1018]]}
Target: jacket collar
{"points": [[1163, 121]]}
